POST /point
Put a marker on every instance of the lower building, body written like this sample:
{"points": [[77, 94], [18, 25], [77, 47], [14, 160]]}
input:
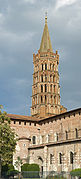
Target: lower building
{"points": [[54, 143]]}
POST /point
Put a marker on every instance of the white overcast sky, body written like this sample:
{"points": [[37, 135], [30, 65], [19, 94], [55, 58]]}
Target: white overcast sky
{"points": [[21, 28]]}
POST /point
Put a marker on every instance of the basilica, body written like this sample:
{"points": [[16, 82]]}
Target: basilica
{"points": [[51, 136]]}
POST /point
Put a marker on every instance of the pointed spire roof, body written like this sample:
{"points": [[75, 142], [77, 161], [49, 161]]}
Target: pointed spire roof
{"points": [[45, 42]]}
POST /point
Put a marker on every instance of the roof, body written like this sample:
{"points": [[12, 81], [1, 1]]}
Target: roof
{"points": [[46, 42], [58, 116], [22, 117], [34, 119]]}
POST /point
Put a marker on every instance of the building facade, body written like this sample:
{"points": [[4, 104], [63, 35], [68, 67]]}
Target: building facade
{"points": [[51, 136]]}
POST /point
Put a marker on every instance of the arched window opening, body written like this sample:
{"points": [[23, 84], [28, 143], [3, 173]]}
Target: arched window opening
{"points": [[50, 88], [66, 135], [51, 158], [54, 88], [42, 67], [50, 66], [51, 99], [41, 99], [53, 67], [45, 88], [51, 78], [71, 157], [41, 88], [45, 98], [45, 66], [45, 78], [57, 136], [41, 78], [60, 158], [76, 131], [34, 139]]}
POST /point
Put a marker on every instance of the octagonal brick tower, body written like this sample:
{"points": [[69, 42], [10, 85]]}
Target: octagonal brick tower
{"points": [[46, 88]]}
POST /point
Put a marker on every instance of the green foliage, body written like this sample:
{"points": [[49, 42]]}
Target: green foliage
{"points": [[12, 172], [18, 163], [7, 140], [6, 168], [33, 167], [76, 172], [30, 170], [24, 167]]}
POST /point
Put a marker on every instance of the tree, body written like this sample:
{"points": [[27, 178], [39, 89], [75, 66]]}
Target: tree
{"points": [[7, 140], [18, 163]]}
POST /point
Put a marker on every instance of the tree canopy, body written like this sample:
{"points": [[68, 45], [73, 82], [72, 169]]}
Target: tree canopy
{"points": [[7, 140]]}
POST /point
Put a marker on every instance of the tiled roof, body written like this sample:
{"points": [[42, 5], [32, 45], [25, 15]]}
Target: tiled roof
{"points": [[34, 119], [22, 117]]}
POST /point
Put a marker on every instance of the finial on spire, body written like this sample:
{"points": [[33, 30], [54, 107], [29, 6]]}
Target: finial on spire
{"points": [[46, 17]]}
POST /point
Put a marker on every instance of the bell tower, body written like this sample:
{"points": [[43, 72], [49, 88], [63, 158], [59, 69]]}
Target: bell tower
{"points": [[46, 88]]}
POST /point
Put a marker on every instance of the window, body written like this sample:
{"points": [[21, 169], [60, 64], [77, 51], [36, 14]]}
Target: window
{"points": [[45, 66], [51, 78], [19, 122], [54, 88], [51, 158], [41, 88], [34, 124], [30, 123], [51, 98], [24, 145], [25, 123], [50, 88], [45, 88], [34, 139], [66, 135], [45, 98], [76, 131], [60, 158], [57, 136], [41, 99], [53, 67], [42, 67], [41, 78], [45, 78], [50, 66], [71, 157], [14, 122]]}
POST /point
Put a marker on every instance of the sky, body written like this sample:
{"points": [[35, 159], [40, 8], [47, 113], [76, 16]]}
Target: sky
{"points": [[21, 27]]}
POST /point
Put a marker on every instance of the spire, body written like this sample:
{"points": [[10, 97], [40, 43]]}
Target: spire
{"points": [[45, 42]]}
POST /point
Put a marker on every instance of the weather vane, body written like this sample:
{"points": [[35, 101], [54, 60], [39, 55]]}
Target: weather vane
{"points": [[46, 13]]}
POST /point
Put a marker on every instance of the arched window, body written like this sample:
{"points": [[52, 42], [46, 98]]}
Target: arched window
{"points": [[45, 98], [76, 133], [41, 78], [71, 157], [60, 158], [66, 135], [50, 88], [45, 77], [51, 78], [45, 66], [50, 66], [45, 88], [51, 158], [42, 67], [34, 139], [41, 99], [53, 67], [41, 88]]}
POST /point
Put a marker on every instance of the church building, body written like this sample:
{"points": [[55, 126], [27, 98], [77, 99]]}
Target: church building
{"points": [[51, 136]]}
